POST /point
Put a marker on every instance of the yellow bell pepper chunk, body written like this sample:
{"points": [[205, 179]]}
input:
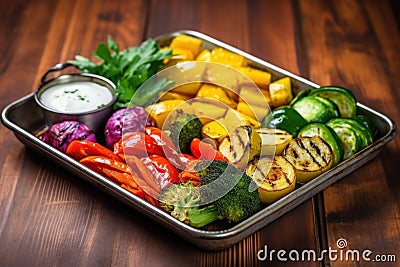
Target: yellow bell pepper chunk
{"points": [[224, 76], [281, 92], [223, 56], [217, 93], [234, 118], [158, 112], [186, 76], [178, 55], [173, 96], [255, 112], [187, 42], [204, 55], [215, 131], [254, 96], [259, 77], [208, 109], [187, 89], [182, 54]]}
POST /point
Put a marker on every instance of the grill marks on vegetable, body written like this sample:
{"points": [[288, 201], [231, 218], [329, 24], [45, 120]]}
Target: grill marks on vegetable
{"points": [[275, 177], [267, 171], [309, 152], [275, 174], [310, 156], [241, 143], [259, 174]]}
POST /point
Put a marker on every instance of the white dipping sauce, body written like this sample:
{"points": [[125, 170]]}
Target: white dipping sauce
{"points": [[76, 97]]}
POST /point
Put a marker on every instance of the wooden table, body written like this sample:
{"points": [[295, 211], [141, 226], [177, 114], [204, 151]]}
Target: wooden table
{"points": [[49, 217]]}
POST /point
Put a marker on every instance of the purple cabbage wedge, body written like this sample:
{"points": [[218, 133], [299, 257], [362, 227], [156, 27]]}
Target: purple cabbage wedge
{"points": [[132, 119], [61, 134]]}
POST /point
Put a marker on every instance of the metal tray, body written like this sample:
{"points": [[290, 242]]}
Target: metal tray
{"points": [[213, 238]]}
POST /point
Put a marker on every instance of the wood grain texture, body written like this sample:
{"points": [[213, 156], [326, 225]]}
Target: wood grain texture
{"points": [[355, 44], [49, 217]]}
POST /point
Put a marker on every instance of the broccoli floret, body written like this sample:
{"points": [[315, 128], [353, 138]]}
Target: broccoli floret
{"points": [[182, 201], [183, 129], [233, 192], [224, 193]]}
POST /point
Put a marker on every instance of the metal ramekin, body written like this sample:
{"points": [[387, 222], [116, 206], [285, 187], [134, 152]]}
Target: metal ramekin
{"points": [[94, 119]]}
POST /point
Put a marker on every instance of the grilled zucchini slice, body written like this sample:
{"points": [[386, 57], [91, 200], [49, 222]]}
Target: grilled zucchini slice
{"points": [[343, 98], [310, 157], [313, 109], [329, 136], [275, 177], [354, 135]]}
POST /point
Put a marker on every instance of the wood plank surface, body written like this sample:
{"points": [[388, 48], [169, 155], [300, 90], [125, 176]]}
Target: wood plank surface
{"points": [[49, 217], [355, 44]]}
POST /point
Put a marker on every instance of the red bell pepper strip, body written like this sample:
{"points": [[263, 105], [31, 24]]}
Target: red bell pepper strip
{"points": [[152, 142], [189, 174], [163, 171], [159, 136], [114, 170], [145, 178], [203, 150], [187, 158], [138, 144], [179, 160], [121, 173], [186, 176], [144, 191], [79, 149]]}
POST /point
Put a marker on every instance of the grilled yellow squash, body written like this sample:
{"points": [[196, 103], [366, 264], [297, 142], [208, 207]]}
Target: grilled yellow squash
{"points": [[310, 157], [275, 177]]}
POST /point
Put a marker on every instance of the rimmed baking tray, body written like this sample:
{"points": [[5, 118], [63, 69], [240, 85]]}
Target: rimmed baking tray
{"points": [[212, 238]]}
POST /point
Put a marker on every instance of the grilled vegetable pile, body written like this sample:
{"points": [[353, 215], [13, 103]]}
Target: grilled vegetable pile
{"points": [[212, 149]]}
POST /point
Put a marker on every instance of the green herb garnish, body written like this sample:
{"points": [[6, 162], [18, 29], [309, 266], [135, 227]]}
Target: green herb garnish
{"points": [[128, 69], [71, 92]]}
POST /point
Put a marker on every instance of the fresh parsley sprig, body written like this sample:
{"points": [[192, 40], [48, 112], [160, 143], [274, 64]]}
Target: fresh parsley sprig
{"points": [[128, 69]]}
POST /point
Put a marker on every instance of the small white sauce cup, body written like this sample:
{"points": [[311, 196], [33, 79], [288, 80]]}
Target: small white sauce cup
{"points": [[95, 119]]}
